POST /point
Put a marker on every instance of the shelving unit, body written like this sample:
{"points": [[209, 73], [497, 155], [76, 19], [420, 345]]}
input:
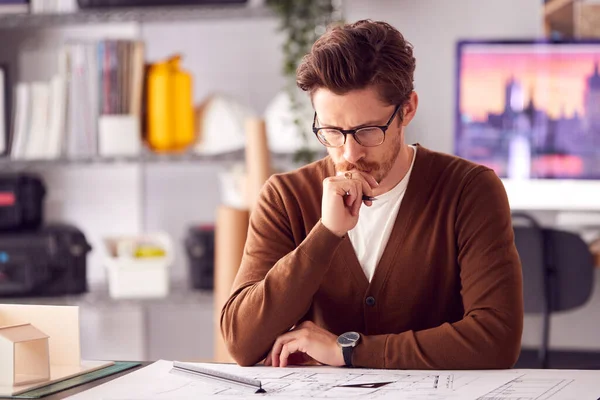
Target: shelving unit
{"points": [[109, 196], [141, 15]]}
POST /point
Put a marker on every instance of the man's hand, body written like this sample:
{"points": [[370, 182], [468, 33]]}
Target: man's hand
{"points": [[309, 339], [342, 198]]}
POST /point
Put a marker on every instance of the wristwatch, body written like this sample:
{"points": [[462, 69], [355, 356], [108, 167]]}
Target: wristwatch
{"points": [[347, 341]]}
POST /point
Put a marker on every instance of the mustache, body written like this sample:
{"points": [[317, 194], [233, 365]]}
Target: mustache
{"points": [[360, 166]]}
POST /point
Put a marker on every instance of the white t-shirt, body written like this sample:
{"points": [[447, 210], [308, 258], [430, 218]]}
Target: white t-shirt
{"points": [[372, 232]]}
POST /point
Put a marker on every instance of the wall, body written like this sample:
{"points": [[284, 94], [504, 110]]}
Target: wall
{"points": [[433, 27]]}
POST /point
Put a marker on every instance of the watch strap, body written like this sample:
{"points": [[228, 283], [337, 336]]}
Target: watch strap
{"points": [[347, 353]]}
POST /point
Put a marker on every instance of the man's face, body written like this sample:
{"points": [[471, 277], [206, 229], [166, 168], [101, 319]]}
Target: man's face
{"points": [[357, 109]]}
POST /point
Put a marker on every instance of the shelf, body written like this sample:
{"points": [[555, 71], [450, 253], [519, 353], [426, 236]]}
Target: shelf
{"points": [[553, 194], [149, 158], [140, 14], [98, 296]]}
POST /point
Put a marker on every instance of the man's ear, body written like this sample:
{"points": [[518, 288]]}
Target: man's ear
{"points": [[410, 108]]}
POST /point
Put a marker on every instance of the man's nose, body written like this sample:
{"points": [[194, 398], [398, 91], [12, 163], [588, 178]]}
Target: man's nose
{"points": [[352, 150]]}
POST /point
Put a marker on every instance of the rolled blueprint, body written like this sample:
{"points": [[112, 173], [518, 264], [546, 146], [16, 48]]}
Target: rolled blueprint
{"points": [[230, 237], [258, 161]]}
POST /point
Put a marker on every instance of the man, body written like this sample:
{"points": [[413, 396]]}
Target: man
{"points": [[381, 255]]}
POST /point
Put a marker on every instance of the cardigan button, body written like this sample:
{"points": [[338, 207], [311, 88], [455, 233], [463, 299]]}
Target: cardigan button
{"points": [[370, 301]]}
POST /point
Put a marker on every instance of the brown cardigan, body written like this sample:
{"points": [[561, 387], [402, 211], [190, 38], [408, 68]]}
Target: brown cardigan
{"points": [[446, 294]]}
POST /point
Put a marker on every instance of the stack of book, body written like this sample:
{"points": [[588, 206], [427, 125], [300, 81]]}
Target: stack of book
{"points": [[53, 6], [59, 118], [14, 6], [37, 6]]}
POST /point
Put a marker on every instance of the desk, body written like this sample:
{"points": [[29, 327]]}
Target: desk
{"points": [[84, 387]]}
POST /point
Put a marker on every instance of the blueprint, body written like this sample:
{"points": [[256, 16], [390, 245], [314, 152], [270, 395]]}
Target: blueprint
{"points": [[158, 382]]}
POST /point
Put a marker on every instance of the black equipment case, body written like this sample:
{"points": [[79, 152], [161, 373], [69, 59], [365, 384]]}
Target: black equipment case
{"points": [[48, 262], [200, 249], [21, 201]]}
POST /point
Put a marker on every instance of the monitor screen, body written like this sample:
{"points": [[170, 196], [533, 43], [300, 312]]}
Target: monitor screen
{"points": [[530, 109]]}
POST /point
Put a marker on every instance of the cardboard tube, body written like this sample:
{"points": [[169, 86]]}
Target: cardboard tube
{"points": [[258, 159], [231, 230]]}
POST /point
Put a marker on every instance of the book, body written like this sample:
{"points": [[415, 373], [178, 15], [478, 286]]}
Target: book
{"points": [[56, 117], [22, 117], [3, 114], [37, 141]]}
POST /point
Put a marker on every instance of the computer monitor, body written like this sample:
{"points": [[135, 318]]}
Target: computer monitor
{"points": [[530, 109]]}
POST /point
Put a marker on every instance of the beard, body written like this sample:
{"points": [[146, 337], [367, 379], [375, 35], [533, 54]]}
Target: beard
{"points": [[379, 170]]}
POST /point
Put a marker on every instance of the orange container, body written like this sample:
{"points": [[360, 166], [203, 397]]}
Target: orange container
{"points": [[170, 106]]}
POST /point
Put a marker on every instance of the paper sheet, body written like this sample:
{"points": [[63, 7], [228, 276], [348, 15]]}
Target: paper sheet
{"points": [[156, 382]]}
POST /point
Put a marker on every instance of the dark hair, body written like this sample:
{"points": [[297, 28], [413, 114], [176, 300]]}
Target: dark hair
{"points": [[358, 55]]}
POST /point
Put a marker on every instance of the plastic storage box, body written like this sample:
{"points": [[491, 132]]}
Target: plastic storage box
{"points": [[138, 277]]}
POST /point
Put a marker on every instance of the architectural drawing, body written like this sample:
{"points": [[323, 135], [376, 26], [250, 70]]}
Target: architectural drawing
{"points": [[157, 382], [524, 388], [332, 383]]}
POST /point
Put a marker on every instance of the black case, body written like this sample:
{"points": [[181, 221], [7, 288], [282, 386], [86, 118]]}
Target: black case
{"points": [[47, 262], [21, 201], [143, 3], [200, 249]]}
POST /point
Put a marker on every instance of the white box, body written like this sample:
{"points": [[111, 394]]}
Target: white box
{"points": [[119, 135], [131, 277]]}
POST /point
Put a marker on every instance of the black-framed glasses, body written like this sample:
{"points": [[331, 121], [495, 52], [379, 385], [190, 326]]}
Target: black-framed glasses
{"points": [[368, 136]]}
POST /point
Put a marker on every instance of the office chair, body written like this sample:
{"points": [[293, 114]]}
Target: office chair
{"points": [[558, 270]]}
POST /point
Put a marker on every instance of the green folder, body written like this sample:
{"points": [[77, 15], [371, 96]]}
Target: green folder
{"points": [[52, 388]]}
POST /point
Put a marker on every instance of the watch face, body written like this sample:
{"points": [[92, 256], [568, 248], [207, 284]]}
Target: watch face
{"points": [[348, 339]]}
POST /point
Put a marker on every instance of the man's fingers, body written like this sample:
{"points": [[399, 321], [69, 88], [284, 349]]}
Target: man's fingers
{"points": [[367, 183], [360, 175], [358, 200], [268, 360], [370, 179], [351, 196], [276, 351], [289, 348], [283, 357], [279, 343]]}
